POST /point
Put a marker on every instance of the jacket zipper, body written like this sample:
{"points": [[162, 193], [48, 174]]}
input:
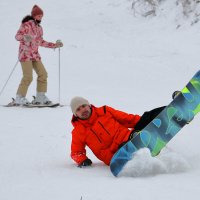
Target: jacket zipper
{"points": [[103, 127], [96, 135]]}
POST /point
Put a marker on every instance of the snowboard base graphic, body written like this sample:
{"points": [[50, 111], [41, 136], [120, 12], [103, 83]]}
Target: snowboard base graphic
{"points": [[164, 127]]}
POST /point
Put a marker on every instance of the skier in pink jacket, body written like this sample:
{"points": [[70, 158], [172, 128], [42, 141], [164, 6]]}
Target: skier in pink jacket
{"points": [[30, 36]]}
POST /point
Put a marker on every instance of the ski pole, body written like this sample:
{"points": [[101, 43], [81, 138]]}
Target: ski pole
{"points": [[59, 41], [9, 77], [59, 69], [59, 74]]}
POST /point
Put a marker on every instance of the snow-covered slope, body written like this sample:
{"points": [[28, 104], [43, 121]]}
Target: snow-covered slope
{"points": [[110, 57]]}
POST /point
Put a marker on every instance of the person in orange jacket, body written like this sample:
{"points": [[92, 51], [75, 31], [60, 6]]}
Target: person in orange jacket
{"points": [[104, 130]]}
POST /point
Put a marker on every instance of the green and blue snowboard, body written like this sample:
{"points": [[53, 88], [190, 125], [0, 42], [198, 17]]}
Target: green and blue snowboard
{"points": [[164, 127]]}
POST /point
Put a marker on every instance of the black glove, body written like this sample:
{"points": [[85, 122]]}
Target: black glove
{"points": [[85, 163]]}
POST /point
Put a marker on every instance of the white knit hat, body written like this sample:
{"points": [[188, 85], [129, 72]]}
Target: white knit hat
{"points": [[77, 102]]}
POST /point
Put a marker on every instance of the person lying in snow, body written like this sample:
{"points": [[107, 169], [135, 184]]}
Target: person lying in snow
{"points": [[104, 129]]}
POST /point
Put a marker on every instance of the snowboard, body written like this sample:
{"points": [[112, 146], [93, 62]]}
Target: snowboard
{"points": [[51, 105], [164, 127]]}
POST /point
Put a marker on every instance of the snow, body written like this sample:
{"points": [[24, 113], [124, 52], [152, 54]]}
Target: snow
{"points": [[111, 58]]}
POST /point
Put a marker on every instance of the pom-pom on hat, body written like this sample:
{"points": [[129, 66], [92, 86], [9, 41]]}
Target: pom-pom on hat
{"points": [[77, 102], [36, 10]]}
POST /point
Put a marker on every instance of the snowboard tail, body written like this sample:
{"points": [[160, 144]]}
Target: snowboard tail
{"points": [[164, 127]]}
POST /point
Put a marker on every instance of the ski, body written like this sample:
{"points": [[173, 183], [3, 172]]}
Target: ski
{"points": [[51, 105], [13, 104]]}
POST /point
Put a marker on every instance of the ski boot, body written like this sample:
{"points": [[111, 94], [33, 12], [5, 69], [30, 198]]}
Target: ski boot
{"points": [[21, 100], [41, 99]]}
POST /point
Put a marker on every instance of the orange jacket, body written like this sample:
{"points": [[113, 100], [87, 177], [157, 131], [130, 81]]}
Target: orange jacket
{"points": [[103, 132]]}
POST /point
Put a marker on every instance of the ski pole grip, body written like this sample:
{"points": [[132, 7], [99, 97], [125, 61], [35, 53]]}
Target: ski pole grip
{"points": [[58, 41]]}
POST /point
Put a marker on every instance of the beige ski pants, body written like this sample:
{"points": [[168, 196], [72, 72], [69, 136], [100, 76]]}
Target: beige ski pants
{"points": [[27, 69]]}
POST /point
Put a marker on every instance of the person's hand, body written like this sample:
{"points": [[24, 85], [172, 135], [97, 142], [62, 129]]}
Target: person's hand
{"points": [[59, 44], [27, 38], [85, 163]]}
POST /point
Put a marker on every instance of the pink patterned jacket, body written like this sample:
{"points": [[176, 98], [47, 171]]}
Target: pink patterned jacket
{"points": [[28, 51]]}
